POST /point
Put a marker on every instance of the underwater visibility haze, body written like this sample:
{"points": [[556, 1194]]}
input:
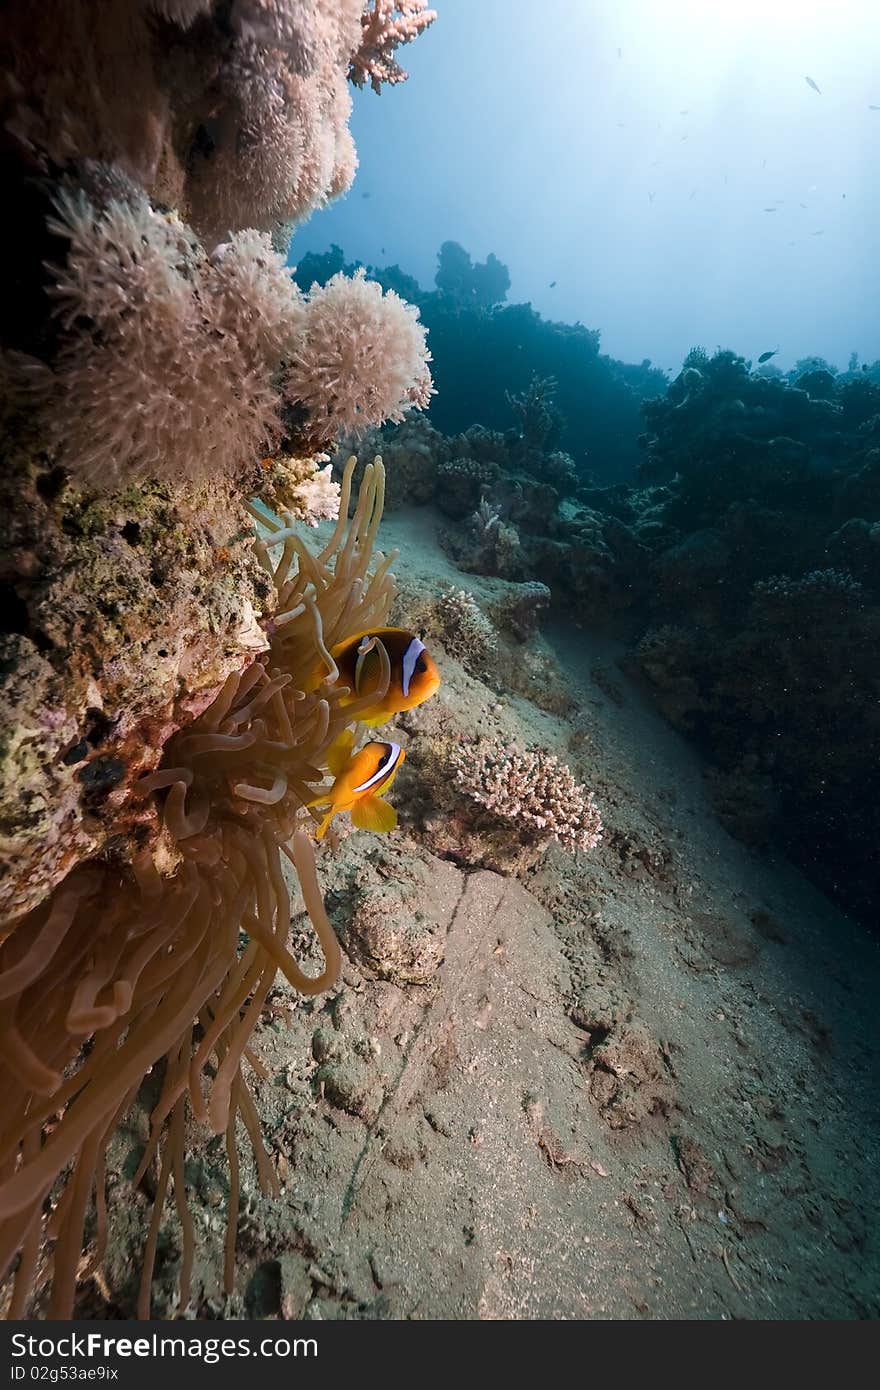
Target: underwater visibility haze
{"points": [[440, 756], [660, 171]]}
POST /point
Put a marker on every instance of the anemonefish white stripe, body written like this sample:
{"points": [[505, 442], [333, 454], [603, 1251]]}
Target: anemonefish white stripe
{"points": [[410, 657], [386, 767]]}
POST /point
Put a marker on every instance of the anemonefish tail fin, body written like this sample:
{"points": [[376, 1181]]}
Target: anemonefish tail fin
{"points": [[372, 813], [339, 752], [322, 828]]}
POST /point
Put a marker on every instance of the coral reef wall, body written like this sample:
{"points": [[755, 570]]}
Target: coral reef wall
{"points": [[234, 113], [167, 693], [151, 384]]}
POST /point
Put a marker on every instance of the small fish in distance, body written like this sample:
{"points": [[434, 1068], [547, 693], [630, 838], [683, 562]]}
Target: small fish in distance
{"points": [[765, 356], [553, 284], [810, 83]]}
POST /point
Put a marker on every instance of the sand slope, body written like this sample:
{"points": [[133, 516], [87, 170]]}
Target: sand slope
{"points": [[639, 1085]]}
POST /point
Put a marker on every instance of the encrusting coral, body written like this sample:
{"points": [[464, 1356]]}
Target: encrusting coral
{"points": [[124, 614], [143, 960], [300, 489]]}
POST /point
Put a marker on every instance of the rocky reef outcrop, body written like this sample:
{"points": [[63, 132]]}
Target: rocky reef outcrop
{"points": [[742, 568]]}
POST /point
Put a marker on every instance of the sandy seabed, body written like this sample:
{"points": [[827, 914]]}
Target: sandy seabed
{"points": [[641, 1084]]}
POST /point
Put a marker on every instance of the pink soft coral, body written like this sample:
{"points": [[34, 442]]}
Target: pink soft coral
{"points": [[169, 360], [280, 144], [362, 358], [236, 113], [176, 365]]}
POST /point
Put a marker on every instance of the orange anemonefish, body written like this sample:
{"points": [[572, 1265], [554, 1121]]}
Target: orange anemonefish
{"points": [[360, 780], [414, 674]]}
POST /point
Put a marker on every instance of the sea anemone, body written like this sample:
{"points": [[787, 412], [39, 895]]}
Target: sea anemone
{"points": [[165, 960]]}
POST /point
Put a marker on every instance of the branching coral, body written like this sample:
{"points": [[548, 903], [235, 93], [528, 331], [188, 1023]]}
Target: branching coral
{"points": [[299, 489], [131, 967], [536, 411], [490, 545], [362, 358], [820, 588], [533, 791], [385, 27], [467, 633]]}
